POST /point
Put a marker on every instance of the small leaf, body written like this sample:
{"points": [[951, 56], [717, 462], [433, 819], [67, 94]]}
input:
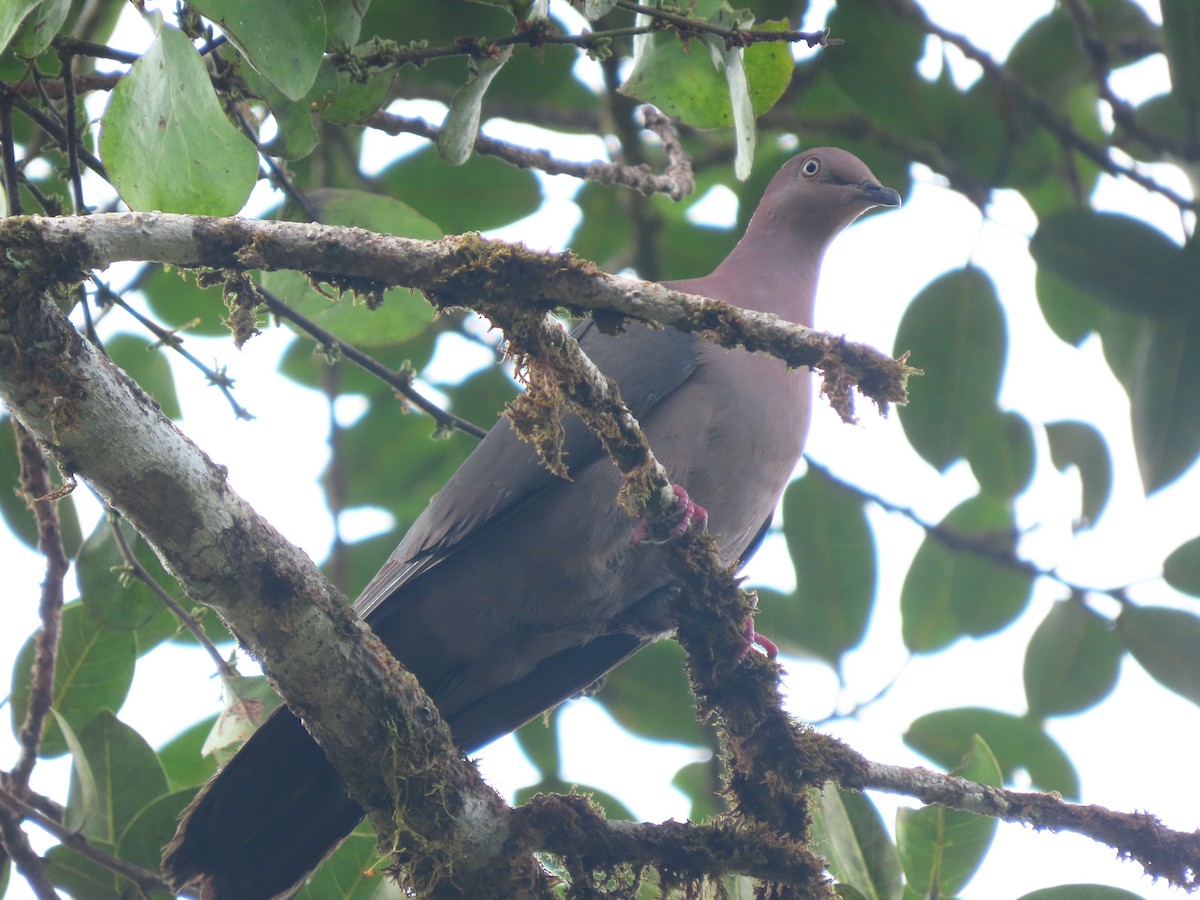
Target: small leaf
{"points": [[1181, 569], [538, 739], [248, 702], [165, 138], [941, 849], [1071, 662], [1167, 644], [1000, 451], [1018, 743], [956, 329], [1079, 444], [1163, 397], [456, 139], [286, 49], [850, 834], [593, 9]]}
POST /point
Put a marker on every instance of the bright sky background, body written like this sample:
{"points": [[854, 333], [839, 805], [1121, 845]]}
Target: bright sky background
{"points": [[1135, 752]]}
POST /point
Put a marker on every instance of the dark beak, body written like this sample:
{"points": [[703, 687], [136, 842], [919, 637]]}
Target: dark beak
{"points": [[878, 195]]}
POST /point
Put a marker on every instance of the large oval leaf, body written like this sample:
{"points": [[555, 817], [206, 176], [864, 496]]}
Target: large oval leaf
{"points": [[833, 550], [954, 586], [94, 671], [956, 329], [1018, 743], [1167, 644], [1163, 398], [1119, 260], [1072, 661], [166, 141]]}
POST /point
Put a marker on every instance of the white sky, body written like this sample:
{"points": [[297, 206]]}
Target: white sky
{"points": [[1136, 751]]}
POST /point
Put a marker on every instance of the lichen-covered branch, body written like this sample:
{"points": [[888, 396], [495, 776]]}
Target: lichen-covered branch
{"points": [[455, 272]]}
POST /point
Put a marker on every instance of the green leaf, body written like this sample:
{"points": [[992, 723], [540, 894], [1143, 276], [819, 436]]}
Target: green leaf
{"points": [[166, 141], [877, 68], [1163, 398], [1167, 644], [538, 739], [941, 849], [649, 695], [94, 671], [1018, 743], [115, 602], [1181, 39], [115, 777], [12, 14], [849, 832], [178, 303], [1071, 312], [350, 873], [700, 781], [1181, 569], [456, 139], [1081, 892], [1119, 260], [285, 49], [81, 877], [955, 328], [248, 702], [147, 365], [151, 827], [953, 590], [612, 807], [482, 194], [1000, 451], [1071, 662], [40, 27], [15, 513], [183, 759], [833, 550], [401, 315], [690, 80], [1079, 444]]}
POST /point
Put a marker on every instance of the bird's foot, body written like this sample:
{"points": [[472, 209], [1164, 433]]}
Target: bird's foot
{"points": [[690, 513], [754, 639]]}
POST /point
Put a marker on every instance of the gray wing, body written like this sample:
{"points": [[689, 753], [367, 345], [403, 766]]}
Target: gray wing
{"points": [[502, 473]]}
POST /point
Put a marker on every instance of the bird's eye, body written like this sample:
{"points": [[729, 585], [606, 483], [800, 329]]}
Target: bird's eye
{"points": [[811, 166]]}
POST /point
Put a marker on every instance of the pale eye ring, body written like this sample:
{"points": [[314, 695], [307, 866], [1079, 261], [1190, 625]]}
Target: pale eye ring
{"points": [[810, 167]]}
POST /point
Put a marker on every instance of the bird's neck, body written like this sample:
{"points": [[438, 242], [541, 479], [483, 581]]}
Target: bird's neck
{"points": [[774, 272]]}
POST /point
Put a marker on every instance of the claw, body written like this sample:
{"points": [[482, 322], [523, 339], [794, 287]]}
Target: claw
{"points": [[690, 513]]}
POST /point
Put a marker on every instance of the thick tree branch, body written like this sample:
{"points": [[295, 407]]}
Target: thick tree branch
{"points": [[453, 272]]}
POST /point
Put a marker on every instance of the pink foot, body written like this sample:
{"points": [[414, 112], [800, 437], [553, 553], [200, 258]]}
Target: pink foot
{"points": [[754, 639], [689, 513]]}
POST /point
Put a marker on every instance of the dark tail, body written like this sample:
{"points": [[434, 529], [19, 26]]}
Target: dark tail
{"points": [[278, 807], [275, 811]]}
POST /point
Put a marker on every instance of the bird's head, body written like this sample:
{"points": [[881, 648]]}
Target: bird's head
{"points": [[819, 192]]}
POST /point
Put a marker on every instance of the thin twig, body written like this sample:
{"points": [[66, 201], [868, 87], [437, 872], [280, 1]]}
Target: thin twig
{"points": [[400, 381], [31, 866], [640, 178], [38, 489], [733, 37], [172, 340], [186, 618], [143, 878], [71, 123]]}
